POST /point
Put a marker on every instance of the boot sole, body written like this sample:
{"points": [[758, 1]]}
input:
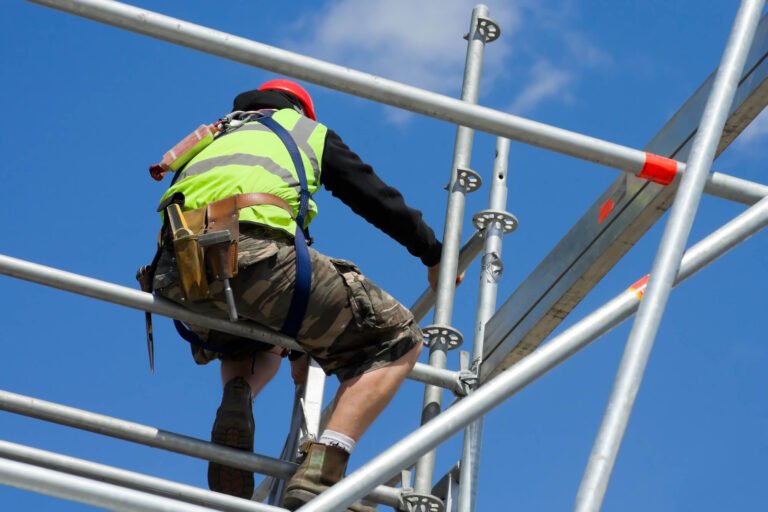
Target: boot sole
{"points": [[296, 498], [232, 428]]}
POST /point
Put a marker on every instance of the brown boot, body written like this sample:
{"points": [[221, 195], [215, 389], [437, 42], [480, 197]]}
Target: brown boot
{"points": [[322, 467], [234, 427]]}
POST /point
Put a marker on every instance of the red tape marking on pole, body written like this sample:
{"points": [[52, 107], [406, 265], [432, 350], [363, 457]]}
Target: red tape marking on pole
{"points": [[605, 210], [658, 169], [640, 285]]}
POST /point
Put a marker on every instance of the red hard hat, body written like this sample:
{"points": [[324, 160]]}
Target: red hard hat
{"points": [[291, 87]]}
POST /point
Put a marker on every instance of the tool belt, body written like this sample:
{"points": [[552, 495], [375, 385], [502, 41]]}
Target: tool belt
{"points": [[208, 237], [212, 246]]}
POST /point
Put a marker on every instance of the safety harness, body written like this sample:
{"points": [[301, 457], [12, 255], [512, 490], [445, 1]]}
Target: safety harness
{"points": [[303, 282]]}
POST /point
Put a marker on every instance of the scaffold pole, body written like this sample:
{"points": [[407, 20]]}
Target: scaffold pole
{"points": [[667, 262], [463, 180]]}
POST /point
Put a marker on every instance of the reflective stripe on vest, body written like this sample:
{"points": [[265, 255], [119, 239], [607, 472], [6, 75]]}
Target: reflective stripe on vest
{"points": [[253, 159]]}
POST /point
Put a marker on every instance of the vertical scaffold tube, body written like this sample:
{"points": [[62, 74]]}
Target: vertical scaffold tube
{"points": [[668, 259], [451, 240], [492, 269]]}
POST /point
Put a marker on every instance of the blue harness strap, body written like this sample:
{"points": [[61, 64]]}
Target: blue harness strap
{"points": [[300, 299]]}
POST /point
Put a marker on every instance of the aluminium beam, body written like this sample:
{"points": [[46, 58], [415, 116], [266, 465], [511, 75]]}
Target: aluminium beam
{"points": [[543, 360], [382, 90], [592, 247]]}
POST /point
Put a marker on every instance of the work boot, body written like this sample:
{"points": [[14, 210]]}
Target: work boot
{"points": [[234, 427], [322, 467]]}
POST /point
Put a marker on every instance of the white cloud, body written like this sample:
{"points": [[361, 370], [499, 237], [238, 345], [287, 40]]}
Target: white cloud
{"points": [[546, 82], [586, 53], [417, 42]]}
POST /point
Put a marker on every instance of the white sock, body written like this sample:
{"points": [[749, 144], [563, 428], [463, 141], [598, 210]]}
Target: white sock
{"points": [[338, 440]]}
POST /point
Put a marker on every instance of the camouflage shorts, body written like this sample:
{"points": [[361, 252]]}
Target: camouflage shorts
{"points": [[351, 325]]}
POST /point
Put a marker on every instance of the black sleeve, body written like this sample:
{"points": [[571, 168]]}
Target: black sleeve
{"points": [[355, 183]]}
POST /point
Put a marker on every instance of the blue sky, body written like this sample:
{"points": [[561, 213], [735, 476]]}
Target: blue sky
{"points": [[88, 107]]}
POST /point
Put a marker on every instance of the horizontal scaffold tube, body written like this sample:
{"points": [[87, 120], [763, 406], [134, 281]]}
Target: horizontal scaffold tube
{"points": [[529, 369], [156, 438], [129, 479], [136, 299], [468, 253], [393, 93], [84, 490]]}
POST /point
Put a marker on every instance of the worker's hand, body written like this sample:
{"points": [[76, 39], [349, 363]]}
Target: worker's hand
{"points": [[299, 369], [433, 273]]}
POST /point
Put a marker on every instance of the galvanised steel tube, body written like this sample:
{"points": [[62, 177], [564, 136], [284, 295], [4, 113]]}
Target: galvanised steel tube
{"points": [[364, 85], [735, 189], [143, 301], [142, 434], [449, 261], [665, 267], [468, 253], [490, 274], [75, 488], [447, 379], [128, 479], [156, 438], [537, 364], [133, 298]]}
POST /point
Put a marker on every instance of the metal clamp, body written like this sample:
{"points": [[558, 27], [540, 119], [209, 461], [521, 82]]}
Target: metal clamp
{"points": [[423, 503], [468, 381], [487, 28], [483, 218], [467, 375], [468, 179], [436, 334]]}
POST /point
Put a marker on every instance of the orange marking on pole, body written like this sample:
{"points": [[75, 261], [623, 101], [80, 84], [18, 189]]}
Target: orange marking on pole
{"points": [[658, 169], [640, 285], [605, 210]]}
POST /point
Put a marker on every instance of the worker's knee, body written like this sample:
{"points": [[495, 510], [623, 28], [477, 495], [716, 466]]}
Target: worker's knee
{"points": [[267, 364], [416, 350], [412, 355]]}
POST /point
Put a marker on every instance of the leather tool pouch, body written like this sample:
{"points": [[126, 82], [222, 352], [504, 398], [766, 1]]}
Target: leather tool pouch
{"points": [[223, 216], [190, 262], [190, 258]]}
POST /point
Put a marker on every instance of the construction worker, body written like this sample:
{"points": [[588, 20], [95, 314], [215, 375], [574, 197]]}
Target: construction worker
{"points": [[351, 327]]}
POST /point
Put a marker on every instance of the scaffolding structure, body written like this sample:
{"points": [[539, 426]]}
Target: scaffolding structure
{"points": [[672, 172]]}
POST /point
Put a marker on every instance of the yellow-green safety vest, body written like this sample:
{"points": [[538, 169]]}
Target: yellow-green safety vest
{"points": [[253, 159]]}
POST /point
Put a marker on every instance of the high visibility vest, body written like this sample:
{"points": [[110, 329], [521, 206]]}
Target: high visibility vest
{"points": [[253, 159]]}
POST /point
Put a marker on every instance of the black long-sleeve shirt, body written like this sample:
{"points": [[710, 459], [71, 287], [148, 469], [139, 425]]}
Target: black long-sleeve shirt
{"points": [[355, 183]]}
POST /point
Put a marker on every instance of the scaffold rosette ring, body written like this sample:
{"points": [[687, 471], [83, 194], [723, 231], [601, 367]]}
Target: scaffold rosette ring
{"points": [[468, 179], [483, 218], [489, 29], [435, 334], [423, 503]]}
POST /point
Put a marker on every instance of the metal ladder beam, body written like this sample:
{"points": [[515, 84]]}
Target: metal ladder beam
{"points": [[591, 248]]}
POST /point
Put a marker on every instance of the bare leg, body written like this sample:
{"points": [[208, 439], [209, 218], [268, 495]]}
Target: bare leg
{"points": [[360, 400], [265, 366]]}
